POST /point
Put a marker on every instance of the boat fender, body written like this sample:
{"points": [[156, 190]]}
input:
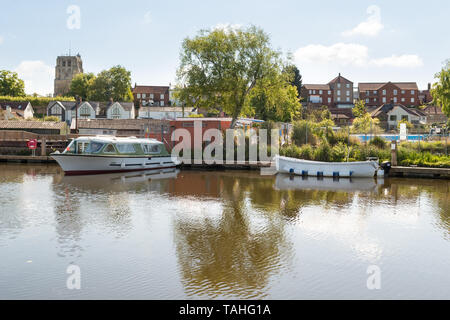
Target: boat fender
{"points": [[304, 172], [320, 173], [291, 170], [351, 173], [336, 174]]}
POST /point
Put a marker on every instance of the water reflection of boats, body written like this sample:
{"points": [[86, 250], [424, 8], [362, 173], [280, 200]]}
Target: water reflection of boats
{"points": [[118, 180], [291, 182]]}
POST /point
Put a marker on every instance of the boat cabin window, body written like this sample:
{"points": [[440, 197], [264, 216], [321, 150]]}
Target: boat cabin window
{"points": [[109, 149], [94, 147], [126, 148], [151, 148], [71, 147]]}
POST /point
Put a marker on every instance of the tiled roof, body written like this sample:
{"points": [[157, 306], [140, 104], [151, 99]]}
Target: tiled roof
{"points": [[19, 105], [433, 110], [151, 89], [68, 105], [339, 77], [115, 124], [23, 124], [385, 108], [365, 86], [316, 86]]}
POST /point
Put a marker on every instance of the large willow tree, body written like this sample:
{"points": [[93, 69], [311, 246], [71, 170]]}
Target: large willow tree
{"points": [[220, 68], [441, 89]]}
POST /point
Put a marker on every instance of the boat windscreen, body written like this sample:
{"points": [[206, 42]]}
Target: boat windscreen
{"points": [[94, 147]]}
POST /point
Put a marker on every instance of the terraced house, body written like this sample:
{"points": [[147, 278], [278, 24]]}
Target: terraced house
{"points": [[376, 94], [68, 110], [338, 93]]}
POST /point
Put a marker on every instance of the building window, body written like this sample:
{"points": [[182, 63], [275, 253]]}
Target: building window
{"points": [[367, 92], [320, 92], [374, 91], [314, 91], [161, 96], [85, 112], [144, 96], [348, 85], [395, 92], [405, 118], [403, 99], [339, 92], [138, 95], [384, 99], [329, 91], [348, 99], [412, 91], [329, 100], [348, 93], [395, 99], [374, 99], [310, 91], [339, 85], [384, 92], [367, 100], [115, 113], [151, 95], [393, 118], [161, 103], [403, 91], [412, 100]]}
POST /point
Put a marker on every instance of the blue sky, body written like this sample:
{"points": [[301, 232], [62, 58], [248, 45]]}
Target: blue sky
{"points": [[363, 40]]}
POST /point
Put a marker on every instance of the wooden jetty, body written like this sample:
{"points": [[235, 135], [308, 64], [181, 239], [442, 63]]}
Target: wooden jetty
{"points": [[420, 172]]}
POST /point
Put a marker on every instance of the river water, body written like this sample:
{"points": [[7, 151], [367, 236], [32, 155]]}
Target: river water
{"points": [[227, 234]]}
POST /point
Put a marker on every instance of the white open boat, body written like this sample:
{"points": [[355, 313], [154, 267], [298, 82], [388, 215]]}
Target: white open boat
{"points": [[327, 169], [109, 154]]}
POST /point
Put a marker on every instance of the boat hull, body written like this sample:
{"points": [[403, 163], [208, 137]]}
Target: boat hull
{"points": [[73, 164], [326, 169]]}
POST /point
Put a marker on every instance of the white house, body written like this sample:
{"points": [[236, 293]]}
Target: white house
{"points": [[68, 110], [164, 113], [392, 114], [20, 109]]}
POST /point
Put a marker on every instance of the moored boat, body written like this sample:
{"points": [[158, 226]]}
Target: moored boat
{"points": [[108, 154], [326, 169]]}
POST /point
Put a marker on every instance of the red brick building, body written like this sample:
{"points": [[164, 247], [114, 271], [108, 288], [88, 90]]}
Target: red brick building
{"points": [[151, 95], [336, 93], [375, 94]]}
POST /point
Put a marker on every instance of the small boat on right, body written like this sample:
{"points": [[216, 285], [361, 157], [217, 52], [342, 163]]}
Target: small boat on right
{"points": [[302, 167]]}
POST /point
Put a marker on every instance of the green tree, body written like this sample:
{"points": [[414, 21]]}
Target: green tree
{"points": [[366, 124], [359, 109], [274, 99], [409, 125], [114, 83], [81, 85], [441, 89], [11, 85], [219, 68], [295, 78]]}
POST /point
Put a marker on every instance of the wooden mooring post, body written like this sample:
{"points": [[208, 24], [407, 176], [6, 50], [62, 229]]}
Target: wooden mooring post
{"points": [[393, 153], [43, 146]]}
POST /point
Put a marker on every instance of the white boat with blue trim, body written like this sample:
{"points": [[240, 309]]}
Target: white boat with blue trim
{"points": [[109, 154], [327, 169]]}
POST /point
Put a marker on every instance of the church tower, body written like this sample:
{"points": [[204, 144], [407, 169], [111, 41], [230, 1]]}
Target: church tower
{"points": [[66, 68]]}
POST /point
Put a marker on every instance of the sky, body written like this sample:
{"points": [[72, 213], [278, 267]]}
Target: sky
{"points": [[365, 41]]}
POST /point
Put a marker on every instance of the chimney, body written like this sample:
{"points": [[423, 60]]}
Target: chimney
{"points": [[429, 86]]}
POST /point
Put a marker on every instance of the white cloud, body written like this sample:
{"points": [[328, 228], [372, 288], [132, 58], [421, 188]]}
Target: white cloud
{"points": [[370, 27], [147, 17], [341, 53], [402, 61], [227, 27], [351, 54], [38, 77]]}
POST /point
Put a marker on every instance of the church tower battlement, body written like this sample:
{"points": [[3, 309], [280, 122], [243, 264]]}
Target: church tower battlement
{"points": [[66, 68]]}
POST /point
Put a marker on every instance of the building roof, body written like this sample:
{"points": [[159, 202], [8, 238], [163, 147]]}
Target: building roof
{"points": [[15, 105], [67, 105], [317, 86], [150, 89], [338, 78], [385, 108], [23, 124], [365, 86], [164, 109], [115, 124]]}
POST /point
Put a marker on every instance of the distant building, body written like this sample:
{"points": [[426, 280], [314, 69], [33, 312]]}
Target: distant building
{"points": [[425, 95], [17, 109], [68, 110], [390, 114], [435, 114], [38, 127], [157, 96], [376, 94], [164, 112], [338, 93], [66, 68]]}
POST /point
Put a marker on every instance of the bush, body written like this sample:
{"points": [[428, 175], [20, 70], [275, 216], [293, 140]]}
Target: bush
{"points": [[339, 152], [378, 142], [300, 130], [323, 152]]}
